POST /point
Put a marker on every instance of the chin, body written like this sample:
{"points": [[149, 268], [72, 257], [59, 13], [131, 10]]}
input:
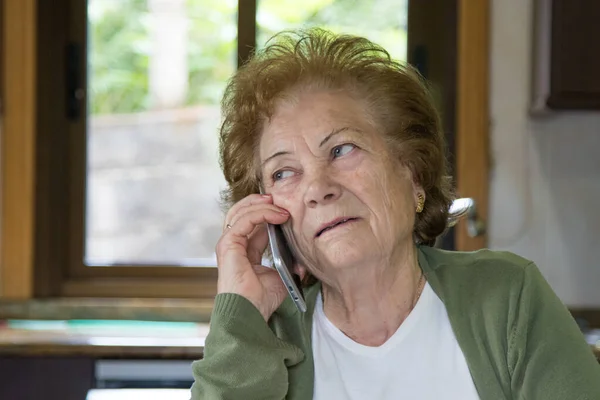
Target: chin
{"points": [[346, 254]]}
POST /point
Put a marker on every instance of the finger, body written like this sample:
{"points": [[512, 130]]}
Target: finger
{"points": [[245, 202], [260, 269], [257, 243], [243, 211], [233, 247], [245, 225]]}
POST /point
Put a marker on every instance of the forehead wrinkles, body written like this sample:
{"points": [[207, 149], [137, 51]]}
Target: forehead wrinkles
{"points": [[287, 134], [312, 116]]}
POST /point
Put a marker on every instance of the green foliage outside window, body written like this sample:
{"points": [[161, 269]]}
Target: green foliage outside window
{"points": [[119, 42]]}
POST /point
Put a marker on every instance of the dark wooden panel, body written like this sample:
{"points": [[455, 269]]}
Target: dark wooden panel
{"points": [[246, 30], [44, 378], [587, 318], [432, 49], [575, 55], [51, 162]]}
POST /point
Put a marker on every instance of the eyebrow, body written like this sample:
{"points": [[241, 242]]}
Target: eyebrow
{"points": [[325, 140], [332, 134]]}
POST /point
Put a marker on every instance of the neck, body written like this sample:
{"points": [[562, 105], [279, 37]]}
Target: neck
{"points": [[370, 303]]}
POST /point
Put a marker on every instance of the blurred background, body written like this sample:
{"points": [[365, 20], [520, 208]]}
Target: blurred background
{"points": [[110, 182], [157, 71]]}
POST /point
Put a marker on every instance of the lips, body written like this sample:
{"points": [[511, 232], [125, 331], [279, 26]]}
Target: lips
{"points": [[332, 224]]}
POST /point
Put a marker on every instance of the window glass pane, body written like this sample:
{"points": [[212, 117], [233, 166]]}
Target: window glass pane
{"points": [[382, 21], [157, 70]]}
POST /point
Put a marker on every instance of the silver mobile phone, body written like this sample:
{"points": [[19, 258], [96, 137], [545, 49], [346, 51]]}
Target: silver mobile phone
{"points": [[283, 262]]}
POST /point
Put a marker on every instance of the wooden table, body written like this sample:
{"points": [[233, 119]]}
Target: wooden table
{"points": [[138, 394], [103, 339], [56, 360]]}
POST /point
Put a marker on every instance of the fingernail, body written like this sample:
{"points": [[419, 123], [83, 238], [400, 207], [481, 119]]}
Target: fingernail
{"points": [[266, 196], [284, 212]]}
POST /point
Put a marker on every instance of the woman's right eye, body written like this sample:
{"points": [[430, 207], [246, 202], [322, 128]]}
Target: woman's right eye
{"points": [[282, 175]]}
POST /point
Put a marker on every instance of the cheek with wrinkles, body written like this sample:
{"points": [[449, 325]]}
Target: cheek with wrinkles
{"points": [[300, 250], [283, 200], [306, 254], [385, 193], [392, 200]]}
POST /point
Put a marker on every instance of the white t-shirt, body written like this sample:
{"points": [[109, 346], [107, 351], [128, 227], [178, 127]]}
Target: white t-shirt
{"points": [[422, 359]]}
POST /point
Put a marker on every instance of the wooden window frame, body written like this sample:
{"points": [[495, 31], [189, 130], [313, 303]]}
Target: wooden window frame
{"points": [[45, 207], [39, 253], [139, 280], [128, 280], [17, 148], [473, 115]]}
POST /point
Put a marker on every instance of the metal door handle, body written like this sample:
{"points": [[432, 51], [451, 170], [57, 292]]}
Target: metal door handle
{"points": [[466, 207]]}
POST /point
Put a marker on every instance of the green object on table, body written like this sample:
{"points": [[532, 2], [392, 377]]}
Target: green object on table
{"points": [[78, 324]]}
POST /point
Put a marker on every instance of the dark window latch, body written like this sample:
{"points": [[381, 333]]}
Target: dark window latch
{"points": [[75, 91]]}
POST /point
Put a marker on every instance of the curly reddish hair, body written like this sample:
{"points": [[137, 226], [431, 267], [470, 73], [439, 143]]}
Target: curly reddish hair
{"points": [[396, 96]]}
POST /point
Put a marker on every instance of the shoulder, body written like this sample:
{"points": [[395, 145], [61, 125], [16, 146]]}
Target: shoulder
{"points": [[491, 280], [500, 261], [487, 268]]}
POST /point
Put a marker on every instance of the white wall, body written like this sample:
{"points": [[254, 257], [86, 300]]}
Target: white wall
{"points": [[545, 182]]}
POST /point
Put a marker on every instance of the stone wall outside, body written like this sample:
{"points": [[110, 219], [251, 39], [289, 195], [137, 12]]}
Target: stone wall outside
{"points": [[153, 187]]}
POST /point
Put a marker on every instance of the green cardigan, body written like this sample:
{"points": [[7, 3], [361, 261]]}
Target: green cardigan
{"points": [[519, 340]]}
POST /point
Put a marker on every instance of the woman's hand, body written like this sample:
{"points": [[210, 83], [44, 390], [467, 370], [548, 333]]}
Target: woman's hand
{"points": [[240, 250]]}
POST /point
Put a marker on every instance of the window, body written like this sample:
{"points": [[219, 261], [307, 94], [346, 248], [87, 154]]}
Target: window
{"points": [[382, 21], [157, 71], [131, 183]]}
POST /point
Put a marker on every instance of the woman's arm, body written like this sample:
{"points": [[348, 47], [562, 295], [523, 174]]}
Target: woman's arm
{"points": [[548, 356], [243, 359]]}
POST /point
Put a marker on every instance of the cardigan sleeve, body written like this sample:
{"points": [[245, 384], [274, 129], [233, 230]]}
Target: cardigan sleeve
{"points": [[548, 357], [243, 358]]}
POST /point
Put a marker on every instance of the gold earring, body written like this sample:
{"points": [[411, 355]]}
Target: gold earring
{"points": [[420, 203]]}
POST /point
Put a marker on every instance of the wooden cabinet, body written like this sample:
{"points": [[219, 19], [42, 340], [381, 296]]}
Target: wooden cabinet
{"points": [[566, 74], [49, 378]]}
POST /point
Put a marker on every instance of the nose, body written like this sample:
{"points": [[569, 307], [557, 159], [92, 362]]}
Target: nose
{"points": [[321, 190]]}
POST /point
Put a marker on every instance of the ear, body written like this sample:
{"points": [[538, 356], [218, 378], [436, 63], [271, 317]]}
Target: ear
{"points": [[417, 188], [416, 185]]}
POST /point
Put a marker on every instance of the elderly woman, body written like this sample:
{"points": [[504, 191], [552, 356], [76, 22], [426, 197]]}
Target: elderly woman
{"points": [[347, 147]]}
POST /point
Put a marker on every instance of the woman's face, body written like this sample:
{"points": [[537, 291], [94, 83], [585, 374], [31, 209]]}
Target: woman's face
{"points": [[325, 161]]}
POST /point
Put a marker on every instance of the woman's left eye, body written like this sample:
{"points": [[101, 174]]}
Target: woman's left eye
{"points": [[342, 150]]}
